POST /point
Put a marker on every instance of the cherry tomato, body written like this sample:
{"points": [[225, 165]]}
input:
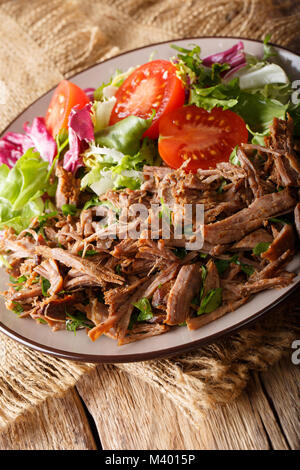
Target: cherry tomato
{"points": [[154, 85], [205, 138], [65, 96]]}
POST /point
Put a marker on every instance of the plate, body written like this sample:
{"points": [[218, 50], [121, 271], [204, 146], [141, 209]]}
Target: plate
{"points": [[105, 350]]}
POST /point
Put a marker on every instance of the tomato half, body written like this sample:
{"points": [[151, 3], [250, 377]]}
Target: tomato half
{"points": [[154, 85], [65, 97], [205, 138]]}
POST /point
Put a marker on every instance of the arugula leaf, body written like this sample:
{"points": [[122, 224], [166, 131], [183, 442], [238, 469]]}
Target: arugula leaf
{"points": [[88, 253], [221, 187], [68, 209], [19, 280], [211, 301], [203, 277], [41, 320], [165, 213], [145, 309], [95, 202], [133, 319], [246, 268], [191, 70], [222, 265], [269, 50], [279, 221], [45, 286], [118, 269], [17, 307], [180, 252], [42, 219], [260, 248], [76, 321], [18, 283], [233, 157]]}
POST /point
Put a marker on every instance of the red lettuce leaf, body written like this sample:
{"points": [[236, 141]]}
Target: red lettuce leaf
{"points": [[81, 131], [43, 141], [13, 145], [233, 56]]}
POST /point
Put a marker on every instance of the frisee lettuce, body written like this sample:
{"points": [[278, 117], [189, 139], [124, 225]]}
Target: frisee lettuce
{"points": [[117, 157]]}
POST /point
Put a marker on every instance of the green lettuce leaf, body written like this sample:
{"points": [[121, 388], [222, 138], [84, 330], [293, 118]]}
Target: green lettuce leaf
{"points": [[125, 135], [224, 95], [21, 189], [258, 112]]}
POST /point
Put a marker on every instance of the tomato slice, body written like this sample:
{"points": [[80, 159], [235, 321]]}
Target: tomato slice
{"points": [[65, 97], [205, 138], [154, 85]]}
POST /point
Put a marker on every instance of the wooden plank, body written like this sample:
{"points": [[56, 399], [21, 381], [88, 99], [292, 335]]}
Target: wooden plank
{"points": [[282, 386], [264, 413], [130, 414], [58, 424]]}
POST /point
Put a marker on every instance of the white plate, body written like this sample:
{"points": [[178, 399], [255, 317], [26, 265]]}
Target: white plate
{"points": [[79, 347]]}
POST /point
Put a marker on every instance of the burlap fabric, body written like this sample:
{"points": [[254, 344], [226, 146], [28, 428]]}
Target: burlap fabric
{"points": [[43, 41]]}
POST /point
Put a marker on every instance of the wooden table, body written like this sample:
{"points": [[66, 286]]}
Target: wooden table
{"points": [[113, 410]]}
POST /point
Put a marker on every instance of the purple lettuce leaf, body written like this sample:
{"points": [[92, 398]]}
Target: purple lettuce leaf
{"points": [[14, 144], [43, 141], [234, 56], [81, 131]]}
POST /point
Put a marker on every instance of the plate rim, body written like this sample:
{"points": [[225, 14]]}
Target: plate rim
{"points": [[161, 353]]}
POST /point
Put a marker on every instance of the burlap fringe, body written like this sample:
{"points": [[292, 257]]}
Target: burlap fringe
{"points": [[28, 378], [43, 41]]}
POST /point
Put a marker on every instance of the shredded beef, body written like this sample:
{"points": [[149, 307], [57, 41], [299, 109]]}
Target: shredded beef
{"points": [[96, 270]]}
